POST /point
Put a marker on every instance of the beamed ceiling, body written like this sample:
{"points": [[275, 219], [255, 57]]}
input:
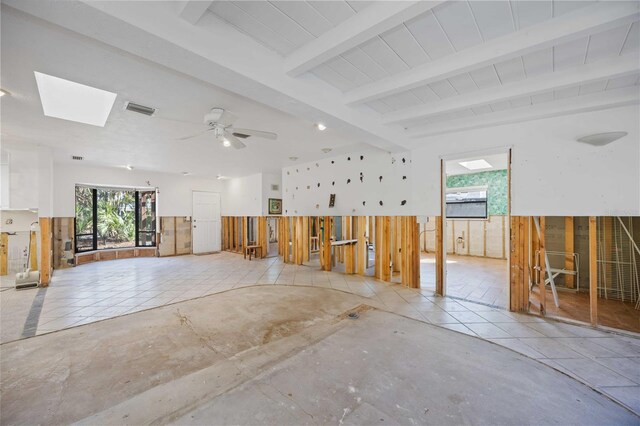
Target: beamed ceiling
{"points": [[388, 73]]}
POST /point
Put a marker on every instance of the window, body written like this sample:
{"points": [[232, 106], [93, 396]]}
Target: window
{"points": [[466, 203], [114, 218]]}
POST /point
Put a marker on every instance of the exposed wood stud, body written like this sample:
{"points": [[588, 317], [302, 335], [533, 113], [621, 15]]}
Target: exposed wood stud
{"points": [[593, 270]]}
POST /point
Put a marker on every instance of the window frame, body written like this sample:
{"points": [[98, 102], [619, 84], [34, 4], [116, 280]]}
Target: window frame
{"points": [[94, 207], [480, 201]]}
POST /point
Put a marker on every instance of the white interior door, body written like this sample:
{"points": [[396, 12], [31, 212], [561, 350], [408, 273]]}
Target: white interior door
{"points": [[206, 222]]}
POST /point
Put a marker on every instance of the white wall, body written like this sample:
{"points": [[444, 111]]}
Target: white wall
{"points": [[552, 174], [175, 191], [269, 179], [303, 197], [242, 196]]}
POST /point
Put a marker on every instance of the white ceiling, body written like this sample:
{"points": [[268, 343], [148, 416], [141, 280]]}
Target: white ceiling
{"points": [[387, 74], [130, 138]]}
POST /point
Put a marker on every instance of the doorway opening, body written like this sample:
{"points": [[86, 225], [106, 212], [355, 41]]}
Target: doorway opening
{"points": [[476, 212]]}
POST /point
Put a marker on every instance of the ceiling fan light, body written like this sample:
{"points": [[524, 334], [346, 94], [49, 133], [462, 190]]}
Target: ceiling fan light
{"points": [[601, 139], [226, 143]]}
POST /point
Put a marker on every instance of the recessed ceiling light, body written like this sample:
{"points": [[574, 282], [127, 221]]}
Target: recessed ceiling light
{"points": [[321, 126], [4, 92], [475, 164], [128, 167], [293, 158], [326, 150], [74, 101], [600, 139], [226, 143]]}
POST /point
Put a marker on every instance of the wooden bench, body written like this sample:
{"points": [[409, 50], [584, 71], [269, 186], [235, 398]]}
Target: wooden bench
{"points": [[254, 249]]}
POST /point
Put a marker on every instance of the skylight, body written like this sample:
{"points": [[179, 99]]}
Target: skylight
{"points": [[475, 164], [74, 101]]}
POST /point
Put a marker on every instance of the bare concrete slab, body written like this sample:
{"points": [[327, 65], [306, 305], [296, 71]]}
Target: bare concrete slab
{"points": [[283, 355]]}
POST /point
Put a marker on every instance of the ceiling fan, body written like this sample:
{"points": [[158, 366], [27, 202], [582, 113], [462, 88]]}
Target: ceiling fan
{"points": [[220, 122]]}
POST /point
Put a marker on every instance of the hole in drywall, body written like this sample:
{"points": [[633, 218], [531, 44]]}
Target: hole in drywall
{"points": [[364, 203], [333, 183], [404, 178], [318, 184], [332, 162], [380, 178], [403, 202], [361, 157], [348, 158], [348, 180], [403, 160], [381, 203]]}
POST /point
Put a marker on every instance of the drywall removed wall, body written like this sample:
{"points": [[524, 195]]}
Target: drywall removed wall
{"points": [[174, 197], [17, 224], [551, 173], [364, 183]]}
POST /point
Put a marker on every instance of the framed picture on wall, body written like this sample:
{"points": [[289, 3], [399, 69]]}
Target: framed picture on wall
{"points": [[275, 206]]}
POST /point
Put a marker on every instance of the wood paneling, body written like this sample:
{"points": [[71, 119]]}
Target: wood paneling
{"points": [[4, 253], [46, 250], [440, 256], [408, 231], [383, 248], [519, 264], [542, 293], [325, 248], [361, 247], [593, 270], [569, 263]]}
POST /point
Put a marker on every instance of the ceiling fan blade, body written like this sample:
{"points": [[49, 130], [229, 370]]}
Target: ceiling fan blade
{"points": [[194, 136], [257, 133], [235, 142], [227, 118]]}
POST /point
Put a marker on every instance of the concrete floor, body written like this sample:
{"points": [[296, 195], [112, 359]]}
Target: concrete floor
{"points": [[91, 293], [283, 355]]}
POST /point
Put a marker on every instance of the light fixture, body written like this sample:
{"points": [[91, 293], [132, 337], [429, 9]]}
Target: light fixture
{"points": [[226, 143], [219, 177], [4, 92], [128, 167], [73, 101], [321, 126], [326, 150], [600, 139], [186, 173], [293, 158], [475, 164]]}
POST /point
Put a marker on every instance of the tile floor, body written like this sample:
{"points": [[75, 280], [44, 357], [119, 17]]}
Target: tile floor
{"points": [[478, 279], [606, 361]]}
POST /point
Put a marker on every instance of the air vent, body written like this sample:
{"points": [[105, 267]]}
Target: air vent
{"points": [[240, 135], [77, 158], [140, 109]]}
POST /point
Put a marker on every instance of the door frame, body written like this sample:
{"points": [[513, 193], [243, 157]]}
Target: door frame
{"points": [[220, 220], [508, 150]]}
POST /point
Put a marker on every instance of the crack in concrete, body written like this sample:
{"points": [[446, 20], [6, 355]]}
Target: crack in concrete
{"points": [[185, 321]]}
